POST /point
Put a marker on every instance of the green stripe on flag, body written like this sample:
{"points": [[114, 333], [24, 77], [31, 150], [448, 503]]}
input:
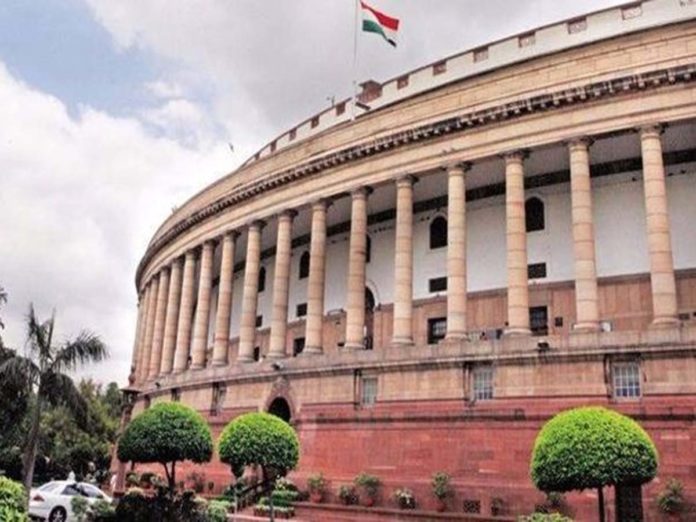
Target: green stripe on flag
{"points": [[373, 27]]}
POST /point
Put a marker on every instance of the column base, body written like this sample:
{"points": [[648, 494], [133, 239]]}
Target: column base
{"points": [[272, 355], [354, 346], [517, 332], [218, 364], [245, 359], [402, 342], [196, 367], [590, 327], [665, 322], [312, 350], [455, 337]]}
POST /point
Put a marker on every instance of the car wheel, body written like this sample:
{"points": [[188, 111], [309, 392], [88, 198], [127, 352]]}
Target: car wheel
{"points": [[58, 515]]}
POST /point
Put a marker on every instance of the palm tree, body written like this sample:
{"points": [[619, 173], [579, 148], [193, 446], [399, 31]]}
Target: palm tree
{"points": [[41, 369]]}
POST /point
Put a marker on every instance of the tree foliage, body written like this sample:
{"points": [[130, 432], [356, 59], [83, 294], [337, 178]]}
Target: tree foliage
{"points": [[13, 501], [259, 439], [592, 447], [42, 370], [166, 433]]}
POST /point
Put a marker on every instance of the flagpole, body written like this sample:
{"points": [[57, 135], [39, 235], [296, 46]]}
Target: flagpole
{"points": [[355, 59]]}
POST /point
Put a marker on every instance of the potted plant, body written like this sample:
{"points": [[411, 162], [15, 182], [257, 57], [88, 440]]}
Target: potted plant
{"points": [[497, 506], [441, 489], [404, 498], [316, 485], [369, 484], [347, 495], [671, 500]]}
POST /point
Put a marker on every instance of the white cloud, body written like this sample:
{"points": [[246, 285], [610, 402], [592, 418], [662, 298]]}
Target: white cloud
{"points": [[165, 89], [80, 199]]}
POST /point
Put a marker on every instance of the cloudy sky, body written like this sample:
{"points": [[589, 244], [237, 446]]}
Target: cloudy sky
{"points": [[113, 112]]}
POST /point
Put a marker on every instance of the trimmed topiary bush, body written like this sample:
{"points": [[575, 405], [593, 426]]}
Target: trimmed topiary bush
{"points": [[166, 434], [259, 439], [13, 501], [592, 447]]}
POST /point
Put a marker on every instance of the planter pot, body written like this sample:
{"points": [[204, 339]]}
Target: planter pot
{"points": [[368, 501], [315, 497], [441, 505]]}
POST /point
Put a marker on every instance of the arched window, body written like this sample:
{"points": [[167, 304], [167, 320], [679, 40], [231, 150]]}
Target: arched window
{"points": [[438, 232], [304, 265], [534, 215], [368, 250], [262, 279]]}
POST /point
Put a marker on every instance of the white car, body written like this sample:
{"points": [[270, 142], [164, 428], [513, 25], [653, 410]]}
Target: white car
{"points": [[52, 501]]}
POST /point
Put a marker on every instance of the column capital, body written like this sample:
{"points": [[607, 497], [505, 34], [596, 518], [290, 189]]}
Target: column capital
{"points": [[164, 269], [361, 192], [210, 242], [232, 234], [458, 168], [191, 253], [651, 130], [579, 142], [406, 180], [258, 224], [515, 156], [287, 214], [321, 203]]}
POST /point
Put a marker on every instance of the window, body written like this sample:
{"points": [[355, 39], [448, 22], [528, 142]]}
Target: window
{"points": [[304, 265], [626, 380], [402, 82], [439, 68], [273, 146], [438, 233], [340, 108], [368, 249], [527, 40], [218, 398], [301, 310], [536, 271], [315, 121], [257, 353], [534, 215], [539, 320], [298, 345], [482, 383], [439, 284], [176, 394], [481, 55], [262, 279], [90, 491], [259, 321], [368, 391], [437, 329], [292, 135]]}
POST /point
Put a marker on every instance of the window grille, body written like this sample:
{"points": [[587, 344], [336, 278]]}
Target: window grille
{"points": [[368, 391], [439, 284], [437, 329], [626, 380], [483, 383], [539, 320]]}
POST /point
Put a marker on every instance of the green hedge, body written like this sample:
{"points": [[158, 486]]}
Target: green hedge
{"points": [[259, 439], [166, 432], [592, 447], [13, 500]]}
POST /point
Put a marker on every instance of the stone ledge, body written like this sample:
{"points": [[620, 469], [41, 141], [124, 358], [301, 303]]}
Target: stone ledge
{"points": [[337, 512]]}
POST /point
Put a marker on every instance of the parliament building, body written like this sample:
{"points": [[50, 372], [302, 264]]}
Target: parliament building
{"points": [[418, 282]]}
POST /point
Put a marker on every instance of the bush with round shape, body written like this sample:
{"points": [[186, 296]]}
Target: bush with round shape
{"points": [[544, 517], [592, 447], [259, 439], [166, 433], [13, 501]]}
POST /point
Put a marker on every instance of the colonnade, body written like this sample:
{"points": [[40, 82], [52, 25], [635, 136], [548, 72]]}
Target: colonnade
{"points": [[164, 344]]}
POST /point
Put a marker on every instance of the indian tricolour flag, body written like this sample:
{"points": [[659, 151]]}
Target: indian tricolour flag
{"points": [[374, 21]]}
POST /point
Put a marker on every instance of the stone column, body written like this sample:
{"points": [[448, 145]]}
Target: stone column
{"points": [[281, 286], [518, 289], [403, 263], [355, 302], [170, 323], [247, 328], [317, 277], [160, 316], [183, 330], [140, 371], [456, 252], [202, 320], [664, 289], [135, 356], [224, 307], [586, 295], [149, 328]]}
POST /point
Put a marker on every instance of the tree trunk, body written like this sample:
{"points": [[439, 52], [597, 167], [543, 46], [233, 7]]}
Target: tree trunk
{"points": [[600, 498], [29, 457]]}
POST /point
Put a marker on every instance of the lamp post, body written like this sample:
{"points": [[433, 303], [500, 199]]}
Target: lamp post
{"points": [[130, 394]]}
